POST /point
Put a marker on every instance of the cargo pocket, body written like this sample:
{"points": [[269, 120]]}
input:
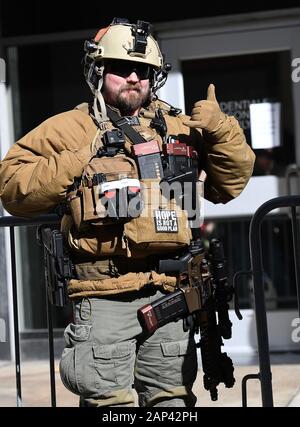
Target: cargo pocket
{"points": [[179, 361], [114, 365], [72, 362]]}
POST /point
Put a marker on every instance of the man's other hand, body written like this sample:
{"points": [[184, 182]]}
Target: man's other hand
{"points": [[206, 114]]}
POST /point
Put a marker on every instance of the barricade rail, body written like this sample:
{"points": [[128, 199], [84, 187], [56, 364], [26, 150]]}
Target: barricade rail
{"points": [[12, 222], [265, 375]]}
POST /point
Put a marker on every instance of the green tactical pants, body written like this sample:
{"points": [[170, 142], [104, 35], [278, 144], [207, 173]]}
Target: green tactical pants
{"points": [[106, 354]]}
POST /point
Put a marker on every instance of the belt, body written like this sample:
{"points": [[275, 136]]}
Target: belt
{"points": [[113, 267]]}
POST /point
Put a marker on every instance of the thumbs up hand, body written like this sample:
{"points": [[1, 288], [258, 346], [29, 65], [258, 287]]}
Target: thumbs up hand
{"points": [[206, 114]]}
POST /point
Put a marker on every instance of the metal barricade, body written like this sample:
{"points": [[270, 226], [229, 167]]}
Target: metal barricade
{"points": [[265, 375], [12, 222]]}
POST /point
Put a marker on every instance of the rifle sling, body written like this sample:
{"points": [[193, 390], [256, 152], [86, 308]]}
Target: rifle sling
{"points": [[118, 121]]}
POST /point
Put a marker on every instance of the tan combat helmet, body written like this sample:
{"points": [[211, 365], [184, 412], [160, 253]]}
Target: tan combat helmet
{"points": [[123, 41]]}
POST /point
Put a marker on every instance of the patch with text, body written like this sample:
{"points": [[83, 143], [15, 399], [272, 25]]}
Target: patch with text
{"points": [[165, 221]]}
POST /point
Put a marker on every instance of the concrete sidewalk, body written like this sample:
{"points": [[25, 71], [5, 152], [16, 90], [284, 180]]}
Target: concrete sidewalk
{"points": [[36, 387]]}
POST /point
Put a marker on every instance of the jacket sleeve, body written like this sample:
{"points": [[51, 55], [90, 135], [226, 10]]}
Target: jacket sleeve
{"points": [[224, 155], [37, 170], [229, 161]]}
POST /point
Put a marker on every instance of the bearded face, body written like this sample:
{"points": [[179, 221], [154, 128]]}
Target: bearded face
{"points": [[126, 86]]}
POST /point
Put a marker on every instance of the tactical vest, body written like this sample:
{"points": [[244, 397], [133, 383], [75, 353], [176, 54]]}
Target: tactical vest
{"points": [[118, 206]]}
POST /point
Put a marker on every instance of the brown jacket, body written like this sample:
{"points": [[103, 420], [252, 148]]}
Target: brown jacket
{"points": [[38, 169]]}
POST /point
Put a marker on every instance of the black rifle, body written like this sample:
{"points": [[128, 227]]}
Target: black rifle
{"points": [[203, 291], [58, 266]]}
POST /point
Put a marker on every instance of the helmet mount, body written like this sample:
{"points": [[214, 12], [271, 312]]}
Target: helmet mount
{"points": [[140, 32]]}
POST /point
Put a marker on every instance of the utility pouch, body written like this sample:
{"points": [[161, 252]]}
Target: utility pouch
{"points": [[162, 225], [109, 192]]}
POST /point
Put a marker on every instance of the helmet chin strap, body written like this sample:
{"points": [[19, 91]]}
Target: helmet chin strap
{"points": [[100, 116], [160, 79]]}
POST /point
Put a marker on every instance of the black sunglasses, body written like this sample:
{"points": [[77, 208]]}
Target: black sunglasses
{"points": [[125, 68]]}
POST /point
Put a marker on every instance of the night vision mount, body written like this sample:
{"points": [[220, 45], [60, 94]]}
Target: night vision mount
{"points": [[140, 31]]}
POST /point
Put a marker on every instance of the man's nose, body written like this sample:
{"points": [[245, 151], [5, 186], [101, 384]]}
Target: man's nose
{"points": [[133, 77]]}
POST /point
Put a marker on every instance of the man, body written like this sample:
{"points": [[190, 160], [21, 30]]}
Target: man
{"points": [[90, 155]]}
